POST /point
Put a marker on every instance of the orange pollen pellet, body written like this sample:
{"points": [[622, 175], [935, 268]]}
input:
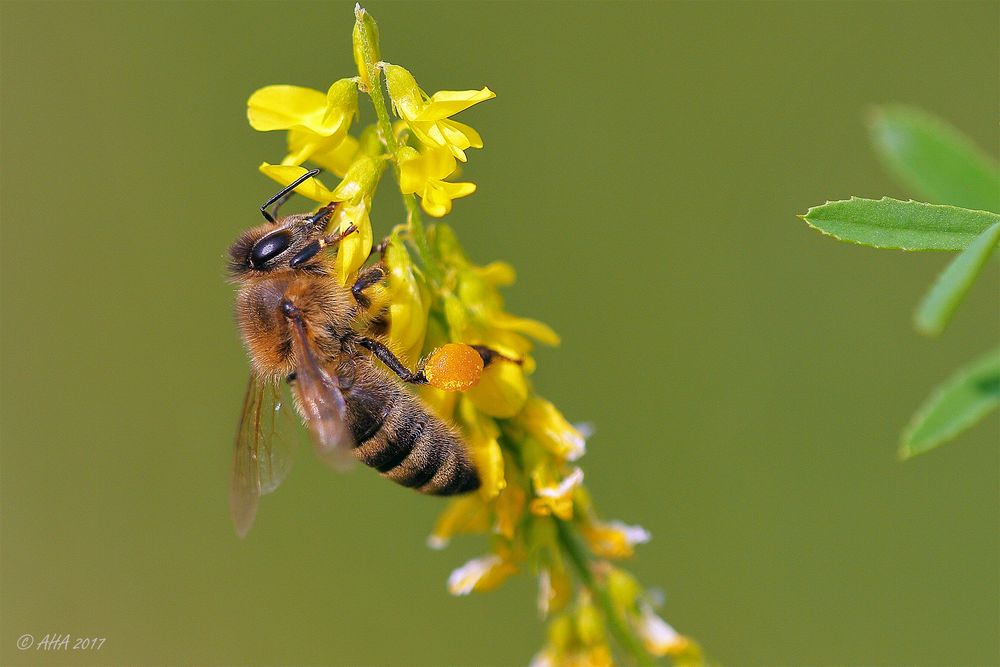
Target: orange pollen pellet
{"points": [[453, 367]]}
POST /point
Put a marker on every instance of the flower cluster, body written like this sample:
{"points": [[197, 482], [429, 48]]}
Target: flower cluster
{"points": [[446, 313]]}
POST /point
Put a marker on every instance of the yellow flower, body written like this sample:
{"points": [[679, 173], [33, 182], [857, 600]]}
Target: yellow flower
{"points": [[317, 123], [408, 304], [509, 509], [336, 158], [481, 434], [480, 574], [474, 313], [467, 514], [614, 539], [554, 589], [555, 498], [423, 173], [659, 637], [502, 389], [623, 589], [543, 421], [355, 191], [428, 117], [312, 188]]}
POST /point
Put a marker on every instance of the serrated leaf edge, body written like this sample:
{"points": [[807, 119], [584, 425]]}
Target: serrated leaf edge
{"points": [[805, 217]]}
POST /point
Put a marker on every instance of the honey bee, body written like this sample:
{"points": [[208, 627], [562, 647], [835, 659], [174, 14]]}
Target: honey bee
{"points": [[300, 325]]}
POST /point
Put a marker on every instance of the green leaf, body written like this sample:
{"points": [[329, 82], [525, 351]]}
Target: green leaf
{"points": [[964, 399], [951, 286], [934, 159], [904, 225]]}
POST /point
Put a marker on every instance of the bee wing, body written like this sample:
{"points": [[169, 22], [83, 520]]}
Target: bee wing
{"points": [[263, 451], [321, 403]]}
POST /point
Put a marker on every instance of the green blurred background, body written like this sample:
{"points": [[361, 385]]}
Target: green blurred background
{"points": [[644, 163]]}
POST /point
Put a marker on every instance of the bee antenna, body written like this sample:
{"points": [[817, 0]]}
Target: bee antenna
{"points": [[283, 196]]}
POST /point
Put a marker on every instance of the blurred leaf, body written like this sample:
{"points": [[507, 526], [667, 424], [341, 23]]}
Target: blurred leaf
{"points": [[934, 159], [965, 398], [904, 225], [944, 296]]}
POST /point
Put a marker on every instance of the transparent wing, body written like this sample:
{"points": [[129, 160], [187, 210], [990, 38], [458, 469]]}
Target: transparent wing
{"points": [[263, 451], [321, 403]]}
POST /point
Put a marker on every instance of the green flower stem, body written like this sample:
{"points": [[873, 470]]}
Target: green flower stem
{"points": [[580, 558], [370, 51]]}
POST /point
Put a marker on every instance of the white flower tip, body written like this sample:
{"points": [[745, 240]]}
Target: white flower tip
{"points": [[463, 580], [437, 542], [570, 482], [656, 596], [585, 429], [633, 534], [545, 592], [542, 659], [578, 447], [658, 636]]}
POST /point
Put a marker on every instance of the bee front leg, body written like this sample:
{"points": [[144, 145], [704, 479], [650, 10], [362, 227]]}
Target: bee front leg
{"points": [[386, 356], [368, 277]]}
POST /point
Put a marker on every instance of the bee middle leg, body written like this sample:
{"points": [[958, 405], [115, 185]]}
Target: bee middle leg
{"points": [[386, 356]]}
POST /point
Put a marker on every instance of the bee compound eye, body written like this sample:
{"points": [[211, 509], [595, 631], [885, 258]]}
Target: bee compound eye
{"points": [[269, 247]]}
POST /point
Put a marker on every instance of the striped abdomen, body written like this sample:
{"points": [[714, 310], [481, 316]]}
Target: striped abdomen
{"points": [[396, 435]]}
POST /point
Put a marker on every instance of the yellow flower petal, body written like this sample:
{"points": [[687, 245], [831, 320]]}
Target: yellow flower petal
{"points": [[311, 188], [657, 635], [446, 103], [509, 509], [403, 90], [360, 180], [589, 624], [334, 154], [407, 308], [481, 434], [480, 574], [341, 106], [498, 274], [555, 499], [428, 119], [467, 514], [614, 539], [437, 196], [442, 403], [501, 391], [554, 590], [547, 425], [537, 330], [460, 135], [284, 107], [353, 250]]}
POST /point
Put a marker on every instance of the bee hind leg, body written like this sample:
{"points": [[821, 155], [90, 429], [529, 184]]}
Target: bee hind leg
{"points": [[489, 355], [386, 356]]}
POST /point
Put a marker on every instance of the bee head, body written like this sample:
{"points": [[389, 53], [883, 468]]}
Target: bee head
{"points": [[285, 244]]}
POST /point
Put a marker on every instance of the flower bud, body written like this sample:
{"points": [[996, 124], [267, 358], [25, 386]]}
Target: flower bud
{"points": [[365, 41]]}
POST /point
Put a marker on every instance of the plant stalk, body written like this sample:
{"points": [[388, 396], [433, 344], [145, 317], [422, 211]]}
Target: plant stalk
{"points": [[580, 558], [414, 221]]}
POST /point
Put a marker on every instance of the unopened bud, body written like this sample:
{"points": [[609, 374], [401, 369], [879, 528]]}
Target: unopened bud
{"points": [[366, 50]]}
